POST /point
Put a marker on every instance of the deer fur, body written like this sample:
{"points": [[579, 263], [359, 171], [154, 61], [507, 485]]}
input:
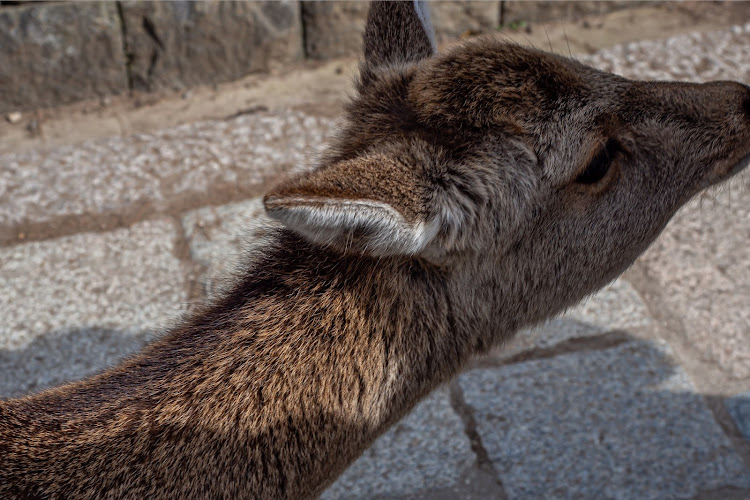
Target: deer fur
{"points": [[468, 194]]}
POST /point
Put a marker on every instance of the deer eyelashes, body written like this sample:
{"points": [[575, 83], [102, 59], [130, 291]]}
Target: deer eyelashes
{"points": [[600, 164]]}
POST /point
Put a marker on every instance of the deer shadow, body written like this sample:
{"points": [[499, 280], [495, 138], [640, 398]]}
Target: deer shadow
{"points": [[63, 356], [644, 456]]}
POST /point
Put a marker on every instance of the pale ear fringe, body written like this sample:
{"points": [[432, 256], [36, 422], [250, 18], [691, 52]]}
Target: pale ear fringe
{"points": [[333, 222]]}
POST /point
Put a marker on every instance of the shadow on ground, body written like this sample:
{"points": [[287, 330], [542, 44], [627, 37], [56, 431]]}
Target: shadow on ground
{"points": [[617, 419], [63, 356]]}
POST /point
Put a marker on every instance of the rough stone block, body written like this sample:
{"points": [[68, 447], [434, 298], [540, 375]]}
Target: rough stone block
{"points": [[615, 308], [453, 19], [618, 423], [701, 264], [59, 53], [427, 450], [333, 29], [74, 305], [181, 44], [739, 408]]}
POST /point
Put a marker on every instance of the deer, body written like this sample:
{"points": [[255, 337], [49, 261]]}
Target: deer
{"points": [[467, 195]]}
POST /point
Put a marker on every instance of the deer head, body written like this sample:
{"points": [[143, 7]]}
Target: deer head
{"points": [[468, 194], [529, 179]]}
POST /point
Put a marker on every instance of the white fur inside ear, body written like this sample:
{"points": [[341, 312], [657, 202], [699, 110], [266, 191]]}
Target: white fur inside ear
{"points": [[377, 227]]}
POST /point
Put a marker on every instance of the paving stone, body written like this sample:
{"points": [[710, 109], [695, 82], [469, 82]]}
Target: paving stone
{"points": [[74, 305], [222, 239], [618, 423], [183, 167], [739, 408], [515, 11], [181, 44], [426, 450], [453, 19], [333, 29], [58, 53], [701, 264], [615, 308], [697, 56]]}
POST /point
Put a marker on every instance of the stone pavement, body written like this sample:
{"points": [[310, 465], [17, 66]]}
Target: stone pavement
{"points": [[642, 391]]}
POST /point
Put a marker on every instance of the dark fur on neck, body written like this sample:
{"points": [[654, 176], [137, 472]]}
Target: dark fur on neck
{"points": [[312, 351]]}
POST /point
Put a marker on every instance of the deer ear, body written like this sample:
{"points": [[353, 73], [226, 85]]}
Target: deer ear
{"points": [[370, 205], [398, 32]]}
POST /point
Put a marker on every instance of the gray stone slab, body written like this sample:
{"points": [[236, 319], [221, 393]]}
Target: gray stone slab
{"points": [[701, 265], [515, 11], [616, 308], [58, 53], [222, 239], [739, 408], [619, 423], [181, 44], [697, 56], [122, 178], [333, 29], [455, 19], [75, 305], [427, 450]]}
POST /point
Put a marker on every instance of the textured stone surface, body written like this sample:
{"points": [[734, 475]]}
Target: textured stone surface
{"points": [[453, 19], [222, 238], [334, 29], [58, 53], [181, 44], [427, 450], [702, 265], [74, 305], [542, 11], [619, 423], [739, 408], [615, 308], [172, 169], [698, 57]]}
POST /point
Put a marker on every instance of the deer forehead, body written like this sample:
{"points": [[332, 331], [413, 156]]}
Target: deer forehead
{"points": [[486, 82]]}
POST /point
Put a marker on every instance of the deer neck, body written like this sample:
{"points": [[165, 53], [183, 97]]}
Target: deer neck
{"points": [[301, 367]]}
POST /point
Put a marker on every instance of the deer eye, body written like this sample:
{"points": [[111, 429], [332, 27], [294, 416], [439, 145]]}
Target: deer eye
{"points": [[599, 165]]}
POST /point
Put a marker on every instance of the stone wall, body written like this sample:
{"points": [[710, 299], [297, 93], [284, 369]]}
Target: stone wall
{"points": [[180, 44], [58, 53], [516, 11], [55, 53]]}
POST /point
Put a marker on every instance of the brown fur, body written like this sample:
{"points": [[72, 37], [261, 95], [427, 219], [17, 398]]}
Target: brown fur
{"points": [[339, 327]]}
